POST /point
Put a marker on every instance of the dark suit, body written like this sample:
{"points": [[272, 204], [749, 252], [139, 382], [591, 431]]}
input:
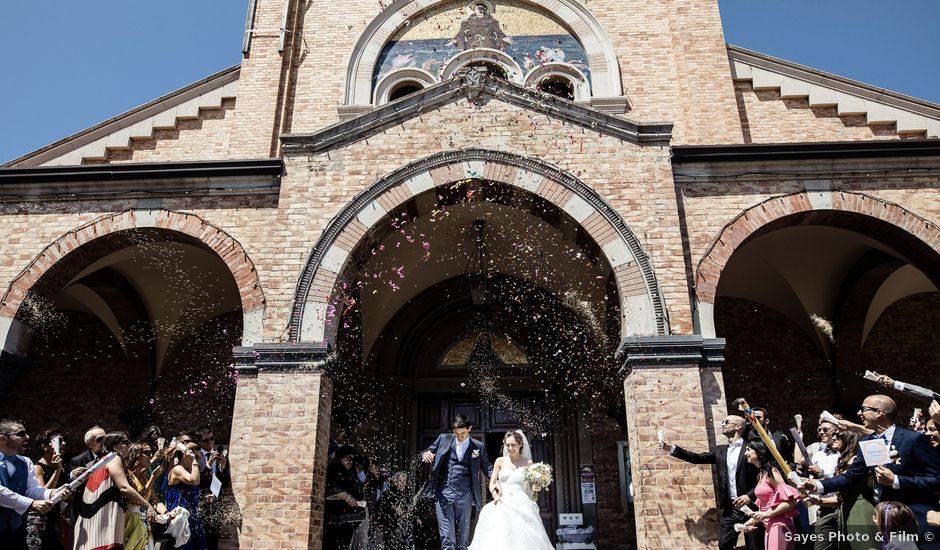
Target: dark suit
{"points": [[745, 482], [457, 487], [918, 477], [82, 460], [208, 508]]}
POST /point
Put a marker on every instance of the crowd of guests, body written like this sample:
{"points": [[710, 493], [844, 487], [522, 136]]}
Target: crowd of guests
{"points": [[148, 493], [367, 506], [839, 502]]}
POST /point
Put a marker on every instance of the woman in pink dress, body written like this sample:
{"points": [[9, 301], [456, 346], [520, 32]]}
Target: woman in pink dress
{"points": [[776, 500]]}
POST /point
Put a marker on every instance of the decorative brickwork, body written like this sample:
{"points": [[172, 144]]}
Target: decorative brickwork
{"points": [[230, 250], [753, 219], [635, 277]]}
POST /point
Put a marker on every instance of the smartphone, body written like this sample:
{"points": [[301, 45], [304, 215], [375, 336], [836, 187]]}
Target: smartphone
{"points": [[57, 445]]}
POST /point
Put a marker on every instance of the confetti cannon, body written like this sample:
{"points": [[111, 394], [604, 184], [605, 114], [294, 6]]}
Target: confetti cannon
{"points": [[784, 467]]}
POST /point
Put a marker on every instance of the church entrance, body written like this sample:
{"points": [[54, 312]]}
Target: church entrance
{"points": [[483, 299]]}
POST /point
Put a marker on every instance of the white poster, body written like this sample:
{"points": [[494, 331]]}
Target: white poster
{"points": [[588, 493], [875, 452]]}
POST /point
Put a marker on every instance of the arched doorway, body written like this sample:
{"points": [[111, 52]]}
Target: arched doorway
{"points": [[811, 300], [132, 326], [499, 260]]}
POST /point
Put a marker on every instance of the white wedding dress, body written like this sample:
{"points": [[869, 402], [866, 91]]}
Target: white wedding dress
{"points": [[512, 523]]}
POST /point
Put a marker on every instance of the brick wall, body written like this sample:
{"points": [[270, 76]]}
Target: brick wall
{"points": [[636, 180], [79, 375], [675, 500], [772, 363], [280, 437], [205, 137], [78, 366], [903, 344], [768, 118]]}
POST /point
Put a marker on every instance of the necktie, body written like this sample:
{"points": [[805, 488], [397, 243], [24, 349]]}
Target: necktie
{"points": [[7, 462]]}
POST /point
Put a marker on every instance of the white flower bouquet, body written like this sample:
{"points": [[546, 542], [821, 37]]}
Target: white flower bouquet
{"points": [[539, 476]]}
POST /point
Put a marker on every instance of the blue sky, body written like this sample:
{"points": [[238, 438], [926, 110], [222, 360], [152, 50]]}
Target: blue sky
{"points": [[68, 65]]}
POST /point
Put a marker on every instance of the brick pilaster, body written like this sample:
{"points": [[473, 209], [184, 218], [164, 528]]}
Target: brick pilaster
{"points": [[280, 438], [674, 502]]}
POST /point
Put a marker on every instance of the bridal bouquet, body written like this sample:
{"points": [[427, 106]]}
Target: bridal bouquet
{"points": [[539, 475]]}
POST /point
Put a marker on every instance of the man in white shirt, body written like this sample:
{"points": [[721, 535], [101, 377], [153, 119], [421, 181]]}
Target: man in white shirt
{"points": [[735, 483], [19, 490], [822, 465]]}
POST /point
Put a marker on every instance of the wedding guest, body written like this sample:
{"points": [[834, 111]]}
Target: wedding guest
{"points": [[213, 465], [137, 534], [822, 465], [343, 493], [42, 530], [337, 440], [917, 392], [932, 434], [895, 522], [20, 491], [912, 478], [855, 502], [780, 439], [93, 439], [183, 489], [734, 485], [100, 521], [775, 499], [392, 516]]}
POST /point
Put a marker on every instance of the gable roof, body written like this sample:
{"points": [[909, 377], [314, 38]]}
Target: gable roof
{"points": [[138, 123], [850, 97], [477, 87]]}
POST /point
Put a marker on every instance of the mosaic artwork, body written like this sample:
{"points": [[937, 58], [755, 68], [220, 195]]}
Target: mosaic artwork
{"points": [[530, 37]]}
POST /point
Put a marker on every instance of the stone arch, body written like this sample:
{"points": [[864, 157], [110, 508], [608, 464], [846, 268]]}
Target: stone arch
{"points": [[605, 69], [642, 305], [396, 78], [775, 210], [513, 71], [228, 248]]}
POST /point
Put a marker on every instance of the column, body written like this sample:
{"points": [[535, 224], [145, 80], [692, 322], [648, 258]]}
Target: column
{"points": [[670, 385], [280, 439]]}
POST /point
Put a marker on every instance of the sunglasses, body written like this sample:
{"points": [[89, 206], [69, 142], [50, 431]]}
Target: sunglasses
{"points": [[207, 439], [147, 453], [21, 433], [99, 439], [869, 409], [823, 430]]}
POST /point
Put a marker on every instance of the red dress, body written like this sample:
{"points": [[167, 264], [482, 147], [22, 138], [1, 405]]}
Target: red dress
{"points": [[777, 527]]}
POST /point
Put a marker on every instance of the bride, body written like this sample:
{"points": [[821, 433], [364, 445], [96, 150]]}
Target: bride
{"points": [[512, 519]]}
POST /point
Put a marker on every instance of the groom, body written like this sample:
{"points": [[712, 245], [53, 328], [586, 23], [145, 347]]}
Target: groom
{"points": [[458, 460]]}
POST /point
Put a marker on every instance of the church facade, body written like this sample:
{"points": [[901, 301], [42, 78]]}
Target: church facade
{"points": [[594, 220]]}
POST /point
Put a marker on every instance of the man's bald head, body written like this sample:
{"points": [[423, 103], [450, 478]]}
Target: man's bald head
{"points": [[886, 404], [878, 412]]}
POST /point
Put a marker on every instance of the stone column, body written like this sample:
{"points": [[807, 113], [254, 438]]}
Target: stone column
{"points": [[674, 502], [280, 438]]}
